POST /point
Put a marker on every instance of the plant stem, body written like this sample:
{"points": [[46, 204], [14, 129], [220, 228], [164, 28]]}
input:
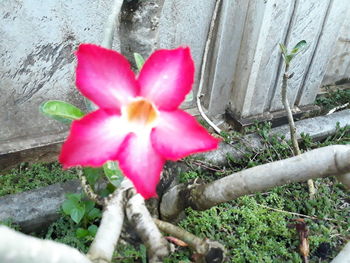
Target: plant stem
{"points": [[293, 136], [111, 24], [88, 189]]}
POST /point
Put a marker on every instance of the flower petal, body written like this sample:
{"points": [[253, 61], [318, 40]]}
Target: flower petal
{"points": [[104, 76], [167, 77], [94, 139], [178, 134], [141, 164]]}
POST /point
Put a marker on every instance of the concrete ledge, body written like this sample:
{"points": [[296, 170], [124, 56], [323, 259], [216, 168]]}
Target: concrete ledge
{"points": [[36, 209], [318, 128]]}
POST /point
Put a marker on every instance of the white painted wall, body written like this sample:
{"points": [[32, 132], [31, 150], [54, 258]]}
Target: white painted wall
{"points": [[253, 75], [339, 65]]}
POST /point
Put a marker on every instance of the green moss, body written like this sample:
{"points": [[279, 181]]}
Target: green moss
{"points": [[27, 177], [253, 233], [333, 98]]}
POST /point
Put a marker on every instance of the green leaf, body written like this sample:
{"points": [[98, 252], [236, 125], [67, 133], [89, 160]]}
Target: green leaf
{"points": [[93, 174], [283, 49], [94, 213], [113, 173], [92, 230], [139, 61], [61, 111], [143, 252], [68, 206], [77, 213], [88, 205], [74, 197], [299, 46], [289, 58], [81, 232]]}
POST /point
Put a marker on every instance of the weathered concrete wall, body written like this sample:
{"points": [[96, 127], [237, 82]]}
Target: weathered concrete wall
{"points": [[339, 65], [248, 69], [38, 39]]}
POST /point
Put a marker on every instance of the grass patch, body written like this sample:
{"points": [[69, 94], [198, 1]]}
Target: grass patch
{"points": [[27, 177]]}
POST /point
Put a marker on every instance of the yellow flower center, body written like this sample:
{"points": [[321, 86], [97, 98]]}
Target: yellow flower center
{"points": [[141, 112]]}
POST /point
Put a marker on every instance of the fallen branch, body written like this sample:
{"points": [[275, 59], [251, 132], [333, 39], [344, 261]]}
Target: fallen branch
{"points": [[20, 248], [209, 251], [139, 216], [322, 162]]}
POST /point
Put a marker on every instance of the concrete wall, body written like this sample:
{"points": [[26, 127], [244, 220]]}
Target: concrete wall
{"points": [[247, 72], [339, 65], [38, 39]]}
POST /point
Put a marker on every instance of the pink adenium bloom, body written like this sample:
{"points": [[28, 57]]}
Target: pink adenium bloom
{"points": [[138, 122]]}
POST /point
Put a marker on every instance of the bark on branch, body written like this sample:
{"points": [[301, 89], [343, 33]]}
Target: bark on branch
{"points": [[103, 246], [208, 250], [139, 216], [322, 162], [20, 248]]}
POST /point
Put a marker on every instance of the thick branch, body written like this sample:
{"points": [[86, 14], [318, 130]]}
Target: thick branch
{"points": [[322, 162], [20, 248], [211, 251], [108, 233], [140, 217]]}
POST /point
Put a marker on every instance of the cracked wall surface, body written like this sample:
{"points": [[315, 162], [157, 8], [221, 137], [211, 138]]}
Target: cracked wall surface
{"points": [[37, 63], [37, 44]]}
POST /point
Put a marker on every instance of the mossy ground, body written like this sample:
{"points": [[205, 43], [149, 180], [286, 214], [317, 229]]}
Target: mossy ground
{"points": [[27, 177]]}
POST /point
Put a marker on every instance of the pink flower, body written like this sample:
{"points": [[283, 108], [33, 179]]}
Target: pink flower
{"points": [[138, 122]]}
